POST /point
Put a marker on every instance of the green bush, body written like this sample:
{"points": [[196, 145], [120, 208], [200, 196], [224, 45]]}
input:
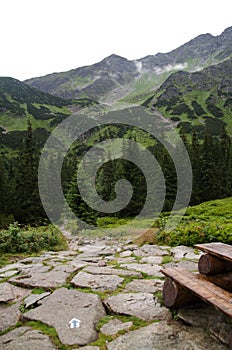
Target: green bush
{"points": [[204, 223], [31, 240]]}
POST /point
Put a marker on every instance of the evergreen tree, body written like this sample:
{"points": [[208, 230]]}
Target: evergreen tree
{"points": [[28, 208]]}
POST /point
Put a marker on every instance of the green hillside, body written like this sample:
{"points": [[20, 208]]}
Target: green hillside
{"points": [[207, 222], [18, 102], [197, 101]]}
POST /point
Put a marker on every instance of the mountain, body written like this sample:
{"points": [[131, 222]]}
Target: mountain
{"points": [[116, 77], [18, 102], [199, 100]]}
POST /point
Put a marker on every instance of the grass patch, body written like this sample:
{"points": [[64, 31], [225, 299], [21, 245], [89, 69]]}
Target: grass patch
{"points": [[38, 291], [18, 324], [166, 259]]}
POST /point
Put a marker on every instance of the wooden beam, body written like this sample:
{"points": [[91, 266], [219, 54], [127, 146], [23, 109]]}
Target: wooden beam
{"points": [[212, 265]]}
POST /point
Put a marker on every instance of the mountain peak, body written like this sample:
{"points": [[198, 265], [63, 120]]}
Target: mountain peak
{"points": [[114, 58], [227, 32]]}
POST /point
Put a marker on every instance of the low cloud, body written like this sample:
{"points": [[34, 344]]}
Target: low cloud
{"points": [[170, 67], [139, 66]]}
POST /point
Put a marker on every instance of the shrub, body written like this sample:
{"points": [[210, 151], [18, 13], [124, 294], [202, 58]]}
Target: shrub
{"points": [[31, 240]]}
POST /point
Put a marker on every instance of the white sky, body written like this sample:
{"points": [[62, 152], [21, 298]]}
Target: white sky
{"points": [[46, 36]]}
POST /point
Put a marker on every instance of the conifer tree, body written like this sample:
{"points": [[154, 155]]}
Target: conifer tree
{"points": [[28, 209]]}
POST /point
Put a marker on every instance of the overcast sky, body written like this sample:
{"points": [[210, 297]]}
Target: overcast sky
{"points": [[45, 36]]}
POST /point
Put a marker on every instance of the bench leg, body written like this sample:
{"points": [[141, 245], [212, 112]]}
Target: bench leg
{"points": [[175, 296]]}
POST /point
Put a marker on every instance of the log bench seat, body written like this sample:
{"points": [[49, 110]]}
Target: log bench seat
{"points": [[183, 288], [213, 284]]}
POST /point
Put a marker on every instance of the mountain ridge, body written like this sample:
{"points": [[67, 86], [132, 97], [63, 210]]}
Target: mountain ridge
{"points": [[113, 72]]}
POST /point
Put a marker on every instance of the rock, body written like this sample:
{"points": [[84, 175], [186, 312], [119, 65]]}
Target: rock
{"points": [[51, 279], [114, 326], [141, 305], [9, 316], [126, 260], [207, 318], [59, 308], [148, 250], [92, 249], [14, 266], [89, 258], [111, 271], [89, 348], [33, 268], [32, 260], [125, 254], [200, 316], [25, 338], [97, 282], [221, 331], [168, 336], [145, 286], [152, 260], [149, 269], [9, 292], [185, 264], [181, 252], [34, 298], [8, 273]]}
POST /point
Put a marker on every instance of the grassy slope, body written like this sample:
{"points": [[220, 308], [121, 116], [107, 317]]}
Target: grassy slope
{"points": [[207, 222]]}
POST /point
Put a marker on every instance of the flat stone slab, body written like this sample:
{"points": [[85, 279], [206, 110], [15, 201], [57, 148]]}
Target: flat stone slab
{"points": [[8, 273], [141, 305], [9, 292], [125, 254], [114, 326], [28, 269], [58, 309], [160, 336], [185, 264], [149, 250], [88, 348], [145, 286], [13, 266], [97, 282], [149, 269], [25, 338], [34, 298], [152, 260], [9, 316], [111, 271], [51, 279], [181, 252], [125, 260]]}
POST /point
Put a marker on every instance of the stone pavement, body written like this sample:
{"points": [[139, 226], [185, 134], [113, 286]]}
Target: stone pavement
{"points": [[111, 292]]}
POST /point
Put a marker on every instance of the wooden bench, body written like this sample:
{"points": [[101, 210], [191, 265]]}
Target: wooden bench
{"points": [[220, 250], [175, 295], [213, 286]]}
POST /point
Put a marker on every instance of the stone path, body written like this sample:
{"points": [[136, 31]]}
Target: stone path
{"points": [[112, 294]]}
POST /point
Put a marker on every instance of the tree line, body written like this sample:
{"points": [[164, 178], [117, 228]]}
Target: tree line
{"points": [[211, 159]]}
